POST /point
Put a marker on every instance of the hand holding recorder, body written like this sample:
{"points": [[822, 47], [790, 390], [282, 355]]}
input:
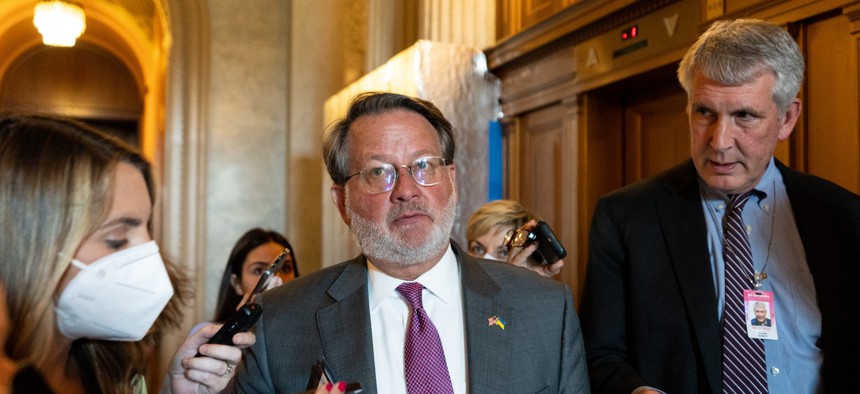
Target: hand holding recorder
{"points": [[535, 246], [250, 312]]}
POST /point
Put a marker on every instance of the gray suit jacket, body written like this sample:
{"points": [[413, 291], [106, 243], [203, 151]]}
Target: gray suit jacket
{"points": [[325, 316]]}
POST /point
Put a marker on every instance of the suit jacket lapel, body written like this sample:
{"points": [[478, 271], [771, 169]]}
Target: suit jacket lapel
{"points": [[682, 221], [344, 327], [485, 345]]}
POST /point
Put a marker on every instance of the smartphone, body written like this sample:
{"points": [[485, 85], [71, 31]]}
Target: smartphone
{"points": [[248, 314], [549, 249]]}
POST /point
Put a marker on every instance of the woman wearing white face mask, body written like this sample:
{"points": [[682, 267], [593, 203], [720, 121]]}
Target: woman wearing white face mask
{"points": [[88, 293]]}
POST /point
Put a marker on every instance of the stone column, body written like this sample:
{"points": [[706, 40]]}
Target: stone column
{"points": [[391, 28], [394, 25], [465, 22]]}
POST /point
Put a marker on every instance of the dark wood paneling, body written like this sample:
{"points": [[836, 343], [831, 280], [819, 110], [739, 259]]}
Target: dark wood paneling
{"points": [[629, 122], [832, 140], [534, 11], [656, 132]]}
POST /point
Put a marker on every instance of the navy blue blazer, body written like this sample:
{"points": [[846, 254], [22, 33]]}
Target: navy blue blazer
{"points": [[648, 308]]}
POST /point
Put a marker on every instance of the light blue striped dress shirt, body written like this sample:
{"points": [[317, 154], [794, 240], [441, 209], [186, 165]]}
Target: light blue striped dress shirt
{"points": [[794, 360]]}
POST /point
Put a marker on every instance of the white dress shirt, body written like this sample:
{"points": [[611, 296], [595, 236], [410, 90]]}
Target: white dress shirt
{"points": [[389, 316]]}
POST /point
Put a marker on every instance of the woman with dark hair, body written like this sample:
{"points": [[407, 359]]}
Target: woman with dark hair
{"points": [[253, 252]]}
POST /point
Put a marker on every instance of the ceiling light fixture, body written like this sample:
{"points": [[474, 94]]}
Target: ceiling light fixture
{"points": [[60, 23]]}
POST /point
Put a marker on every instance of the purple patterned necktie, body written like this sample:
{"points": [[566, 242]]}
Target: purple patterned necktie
{"points": [[744, 369], [425, 367]]}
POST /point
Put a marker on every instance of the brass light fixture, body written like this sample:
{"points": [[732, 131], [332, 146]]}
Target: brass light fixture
{"points": [[59, 22]]}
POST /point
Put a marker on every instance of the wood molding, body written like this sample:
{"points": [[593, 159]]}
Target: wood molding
{"points": [[574, 274], [852, 11], [512, 141], [573, 25], [557, 92]]}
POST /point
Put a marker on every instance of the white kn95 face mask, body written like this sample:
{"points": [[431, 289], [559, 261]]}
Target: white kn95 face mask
{"points": [[117, 297]]}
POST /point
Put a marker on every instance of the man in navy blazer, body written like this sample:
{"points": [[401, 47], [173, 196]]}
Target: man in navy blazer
{"points": [[502, 328], [652, 302]]}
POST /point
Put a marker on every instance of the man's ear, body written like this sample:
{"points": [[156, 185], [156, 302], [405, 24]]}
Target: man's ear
{"points": [[338, 196], [237, 285], [790, 117]]}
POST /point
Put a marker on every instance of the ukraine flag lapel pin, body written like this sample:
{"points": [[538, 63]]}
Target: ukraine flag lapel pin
{"points": [[496, 321]]}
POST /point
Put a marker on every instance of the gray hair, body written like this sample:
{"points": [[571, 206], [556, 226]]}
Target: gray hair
{"points": [[735, 52], [335, 152], [508, 214]]}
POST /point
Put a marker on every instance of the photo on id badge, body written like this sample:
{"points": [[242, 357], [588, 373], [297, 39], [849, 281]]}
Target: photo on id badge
{"points": [[761, 319]]}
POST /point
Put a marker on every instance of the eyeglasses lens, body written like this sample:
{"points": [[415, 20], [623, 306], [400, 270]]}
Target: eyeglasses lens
{"points": [[425, 172]]}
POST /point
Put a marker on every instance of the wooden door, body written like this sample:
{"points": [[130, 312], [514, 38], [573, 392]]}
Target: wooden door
{"points": [[656, 132], [541, 150], [541, 162], [827, 140]]}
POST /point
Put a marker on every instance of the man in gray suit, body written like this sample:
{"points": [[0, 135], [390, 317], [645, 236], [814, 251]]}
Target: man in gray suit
{"points": [[500, 328]]}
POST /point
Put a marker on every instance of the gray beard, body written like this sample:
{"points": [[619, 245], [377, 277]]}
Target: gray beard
{"points": [[382, 246]]}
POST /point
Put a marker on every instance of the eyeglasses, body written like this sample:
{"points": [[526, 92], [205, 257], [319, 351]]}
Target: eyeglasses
{"points": [[519, 237], [380, 177]]}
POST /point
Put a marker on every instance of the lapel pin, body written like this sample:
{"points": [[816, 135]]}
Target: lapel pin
{"points": [[495, 320]]}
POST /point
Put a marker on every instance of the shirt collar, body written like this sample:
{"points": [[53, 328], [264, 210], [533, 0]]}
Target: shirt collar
{"points": [[763, 190], [441, 280]]}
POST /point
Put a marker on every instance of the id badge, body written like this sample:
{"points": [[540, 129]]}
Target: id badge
{"points": [[761, 318]]}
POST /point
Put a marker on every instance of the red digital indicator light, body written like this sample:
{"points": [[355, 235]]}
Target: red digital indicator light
{"points": [[630, 32]]}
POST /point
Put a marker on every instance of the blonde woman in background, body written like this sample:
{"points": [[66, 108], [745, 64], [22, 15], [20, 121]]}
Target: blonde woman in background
{"points": [[486, 230]]}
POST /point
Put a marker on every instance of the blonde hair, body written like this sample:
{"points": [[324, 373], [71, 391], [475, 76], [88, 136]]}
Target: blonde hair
{"points": [[508, 214], [56, 185], [53, 193]]}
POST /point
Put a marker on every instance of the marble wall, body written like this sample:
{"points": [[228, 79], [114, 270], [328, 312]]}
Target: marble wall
{"points": [[243, 119], [246, 139], [327, 51]]}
